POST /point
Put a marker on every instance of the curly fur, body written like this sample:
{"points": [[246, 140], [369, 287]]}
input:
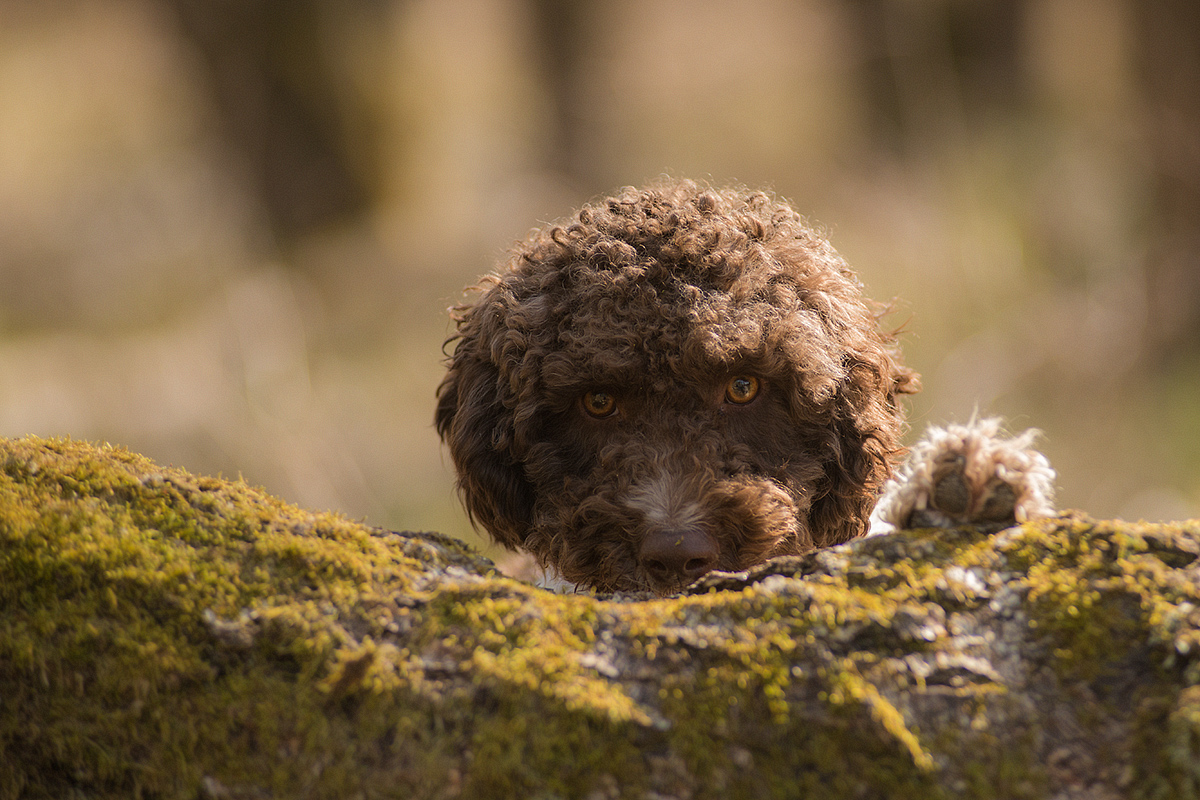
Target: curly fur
{"points": [[967, 474], [658, 297]]}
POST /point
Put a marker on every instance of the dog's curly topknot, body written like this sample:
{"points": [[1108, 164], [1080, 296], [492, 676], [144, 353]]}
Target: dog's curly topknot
{"points": [[655, 301]]}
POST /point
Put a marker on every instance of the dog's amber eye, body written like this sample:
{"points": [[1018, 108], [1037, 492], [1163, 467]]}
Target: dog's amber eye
{"points": [[741, 389], [599, 404]]}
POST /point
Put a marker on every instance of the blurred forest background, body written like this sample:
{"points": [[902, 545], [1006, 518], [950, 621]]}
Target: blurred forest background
{"points": [[230, 229]]}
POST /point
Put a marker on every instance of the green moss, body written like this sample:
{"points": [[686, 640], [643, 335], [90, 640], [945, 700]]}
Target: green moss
{"points": [[164, 635], [1095, 588]]}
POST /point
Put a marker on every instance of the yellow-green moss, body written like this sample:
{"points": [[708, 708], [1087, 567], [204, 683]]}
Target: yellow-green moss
{"points": [[164, 635]]}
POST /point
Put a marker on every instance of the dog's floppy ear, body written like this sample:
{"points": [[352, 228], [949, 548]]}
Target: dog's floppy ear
{"points": [[865, 441], [477, 428]]}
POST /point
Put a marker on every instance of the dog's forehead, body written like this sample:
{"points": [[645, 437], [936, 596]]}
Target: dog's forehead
{"points": [[660, 326], [620, 345]]}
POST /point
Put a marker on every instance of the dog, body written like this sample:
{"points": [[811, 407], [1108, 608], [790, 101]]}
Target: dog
{"points": [[681, 379]]}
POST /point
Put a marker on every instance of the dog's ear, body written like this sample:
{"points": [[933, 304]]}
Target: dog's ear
{"points": [[864, 444], [842, 508], [477, 428]]}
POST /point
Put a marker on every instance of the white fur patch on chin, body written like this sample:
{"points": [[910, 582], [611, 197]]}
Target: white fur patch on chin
{"points": [[964, 474]]}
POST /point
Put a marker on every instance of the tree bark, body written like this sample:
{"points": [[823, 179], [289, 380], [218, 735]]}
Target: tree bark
{"points": [[166, 635]]}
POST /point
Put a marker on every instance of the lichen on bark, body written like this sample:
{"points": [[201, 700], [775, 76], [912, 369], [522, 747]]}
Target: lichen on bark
{"points": [[165, 635]]}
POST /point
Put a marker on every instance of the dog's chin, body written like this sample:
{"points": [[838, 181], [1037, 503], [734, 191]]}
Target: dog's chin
{"points": [[632, 579], [610, 571], [669, 588], [621, 572], [603, 544], [633, 582]]}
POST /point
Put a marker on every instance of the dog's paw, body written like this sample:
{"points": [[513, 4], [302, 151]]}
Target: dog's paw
{"points": [[970, 474]]}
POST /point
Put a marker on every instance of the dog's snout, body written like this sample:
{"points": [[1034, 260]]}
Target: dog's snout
{"points": [[679, 556]]}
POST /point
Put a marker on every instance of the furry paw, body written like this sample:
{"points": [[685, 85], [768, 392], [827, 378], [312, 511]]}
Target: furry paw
{"points": [[968, 475]]}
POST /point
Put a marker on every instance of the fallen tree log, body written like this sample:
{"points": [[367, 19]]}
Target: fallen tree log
{"points": [[164, 635]]}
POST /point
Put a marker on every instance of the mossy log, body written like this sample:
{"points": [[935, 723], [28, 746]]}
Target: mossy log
{"points": [[169, 636]]}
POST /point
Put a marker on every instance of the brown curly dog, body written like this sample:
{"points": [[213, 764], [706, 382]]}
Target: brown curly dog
{"points": [[679, 379]]}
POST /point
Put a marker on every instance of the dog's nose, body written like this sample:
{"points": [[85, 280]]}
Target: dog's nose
{"points": [[678, 557]]}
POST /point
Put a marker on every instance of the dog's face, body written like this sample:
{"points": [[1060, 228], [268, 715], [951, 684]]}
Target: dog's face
{"points": [[682, 381]]}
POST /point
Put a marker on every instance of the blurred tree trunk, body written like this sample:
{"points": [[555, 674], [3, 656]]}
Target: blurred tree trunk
{"points": [[1169, 60], [279, 105], [928, 65], [561, 36]]}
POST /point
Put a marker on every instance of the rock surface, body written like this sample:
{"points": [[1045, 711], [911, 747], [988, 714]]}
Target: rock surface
{"points": [[169, 636]]}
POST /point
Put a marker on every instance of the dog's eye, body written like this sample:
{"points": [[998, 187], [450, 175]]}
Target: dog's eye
{"points": [[599, 404], [741, 389]]}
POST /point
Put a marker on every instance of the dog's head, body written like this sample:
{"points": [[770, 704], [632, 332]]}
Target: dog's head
{"points": [[678, 380]]}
